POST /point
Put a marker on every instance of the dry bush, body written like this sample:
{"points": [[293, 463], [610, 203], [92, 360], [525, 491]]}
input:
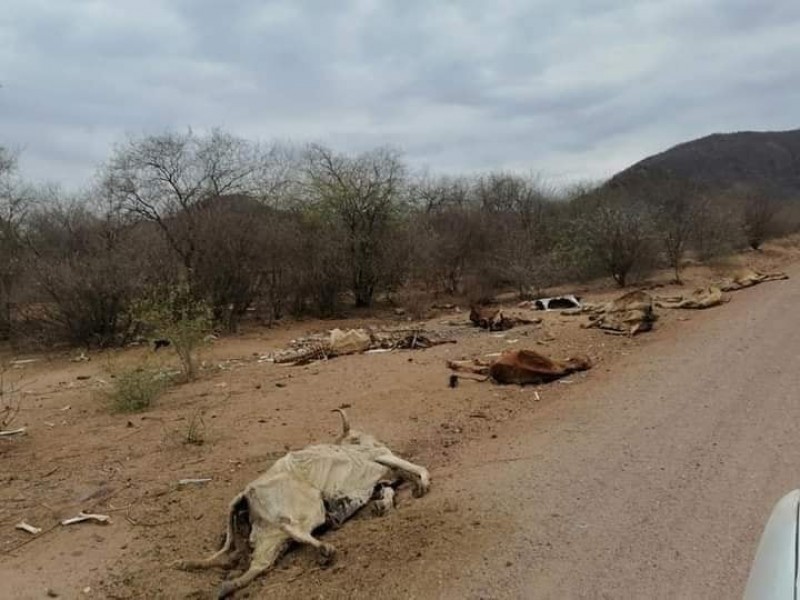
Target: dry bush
{"points": [[136, 389], [758, 218]]}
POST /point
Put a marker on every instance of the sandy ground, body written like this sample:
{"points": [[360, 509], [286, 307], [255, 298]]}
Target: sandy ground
{"points": [[648, 476]]}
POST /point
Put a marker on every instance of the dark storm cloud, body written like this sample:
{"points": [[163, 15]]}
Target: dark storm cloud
{"points": [[574, 90]]}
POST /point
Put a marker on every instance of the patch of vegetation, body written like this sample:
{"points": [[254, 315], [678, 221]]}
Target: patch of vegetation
{"points": [[195, 430], [176, 315], [137, 389]]}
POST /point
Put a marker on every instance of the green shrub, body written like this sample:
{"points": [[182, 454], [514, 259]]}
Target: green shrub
{"points": [[135, 390]]}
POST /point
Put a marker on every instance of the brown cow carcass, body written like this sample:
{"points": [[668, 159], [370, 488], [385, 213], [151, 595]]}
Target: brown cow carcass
{"points": [[519, 367], [629, 314]]}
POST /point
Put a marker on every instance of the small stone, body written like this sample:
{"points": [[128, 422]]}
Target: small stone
{"points": [[51, 593], [280, 385]]}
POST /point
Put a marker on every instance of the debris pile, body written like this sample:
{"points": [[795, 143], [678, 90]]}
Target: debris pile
{"points": [[340, 342]]}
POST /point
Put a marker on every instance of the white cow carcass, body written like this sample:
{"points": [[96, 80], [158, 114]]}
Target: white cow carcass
{"points": [[324, 483]]}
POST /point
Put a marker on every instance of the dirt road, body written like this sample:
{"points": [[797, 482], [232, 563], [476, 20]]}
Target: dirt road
{"points": [[653, 481]]}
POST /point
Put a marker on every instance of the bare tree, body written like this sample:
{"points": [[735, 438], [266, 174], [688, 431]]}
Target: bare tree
{"points": [[15, 202], [617, 232], [450, 231], [203, 192], [169, 178], [677, 210], [361, 196], [517, 209]]}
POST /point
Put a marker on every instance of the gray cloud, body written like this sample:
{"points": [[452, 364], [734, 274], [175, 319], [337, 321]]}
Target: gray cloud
{"points": [[574, 91]]}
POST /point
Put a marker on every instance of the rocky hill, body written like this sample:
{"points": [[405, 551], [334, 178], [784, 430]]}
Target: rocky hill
{"points": [[768, 161]]}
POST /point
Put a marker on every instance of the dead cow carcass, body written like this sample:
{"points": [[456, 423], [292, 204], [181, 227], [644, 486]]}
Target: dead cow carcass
{"points": [[699, 299], [570, 301], [487, 317], [325, 483], [520, 367], [629, 314], [748, 278]]}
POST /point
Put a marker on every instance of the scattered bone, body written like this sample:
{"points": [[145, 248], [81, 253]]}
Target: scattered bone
{"points": [[11, 432], [23, 361], [82, 516], [199, 481], [29, 528]]}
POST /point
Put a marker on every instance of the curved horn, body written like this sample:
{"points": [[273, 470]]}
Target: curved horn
{"points": [[345, 422]]}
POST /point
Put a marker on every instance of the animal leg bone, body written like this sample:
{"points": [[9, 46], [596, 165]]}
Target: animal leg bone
{"points": [[384, 502], [221, 558], [82, 516], [265, 554], [326, 551], [420, 475]]}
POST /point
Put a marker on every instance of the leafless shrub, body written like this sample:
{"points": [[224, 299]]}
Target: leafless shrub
{"points": [[758, 218], [15, 203], [9, 399], [617, 233]]}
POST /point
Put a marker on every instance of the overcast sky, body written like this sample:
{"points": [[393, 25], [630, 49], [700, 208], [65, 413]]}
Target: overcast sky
{"points": [[573, 90]]}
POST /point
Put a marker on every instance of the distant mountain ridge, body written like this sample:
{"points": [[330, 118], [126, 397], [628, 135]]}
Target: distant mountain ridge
{"points": [[765, 160]]}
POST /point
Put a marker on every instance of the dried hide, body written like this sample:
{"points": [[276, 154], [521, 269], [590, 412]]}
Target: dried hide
{"points": [[325, 483], [521, 367], [748, 278], [699, 299], [351, 341], [629, 314]]}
